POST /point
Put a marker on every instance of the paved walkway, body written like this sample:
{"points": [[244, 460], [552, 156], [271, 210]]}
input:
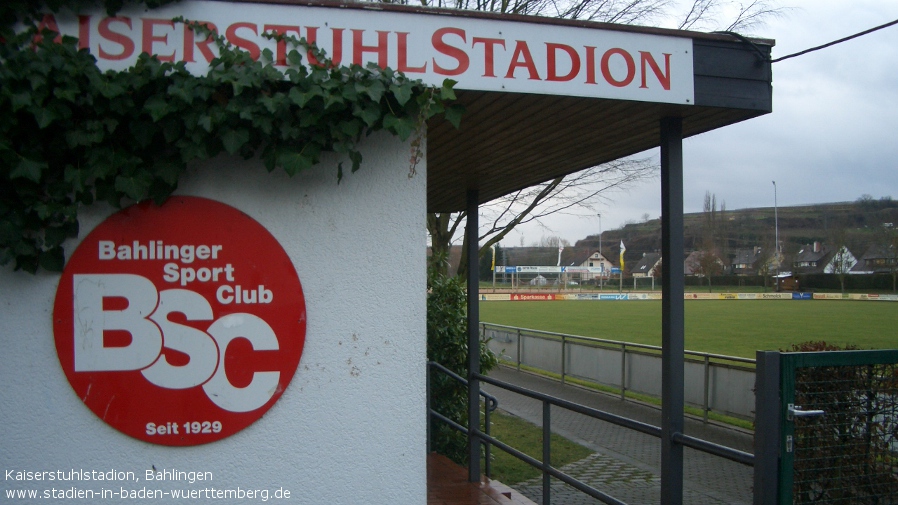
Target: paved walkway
{"points": [[627, 464]]}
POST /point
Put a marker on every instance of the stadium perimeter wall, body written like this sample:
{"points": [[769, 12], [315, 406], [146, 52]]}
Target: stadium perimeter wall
{"points": [[712, 385]]}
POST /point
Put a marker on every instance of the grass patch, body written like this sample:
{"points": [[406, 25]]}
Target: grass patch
{"points": [[728, 327], [527, 438]]}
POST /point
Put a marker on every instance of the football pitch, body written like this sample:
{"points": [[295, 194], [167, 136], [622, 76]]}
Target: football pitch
{"points": [[729, 327]]}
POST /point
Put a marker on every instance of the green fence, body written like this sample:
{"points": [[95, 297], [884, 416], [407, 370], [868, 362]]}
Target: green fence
{"points": [[838, 428]]}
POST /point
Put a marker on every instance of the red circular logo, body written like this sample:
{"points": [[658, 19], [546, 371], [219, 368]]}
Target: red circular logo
{"points": [[179, 324]]}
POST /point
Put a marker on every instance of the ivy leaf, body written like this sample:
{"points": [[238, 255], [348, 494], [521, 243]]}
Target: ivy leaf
{"points": [[402, 127], [205, 122], [52, 260], [233, 140], [356, 158], [454, 113], [80, 137], [402, 93], [44, 116], [54, 235], [29, 169], [447, 91], [20, 100], [294, 58], [350, 128], [375, 90], [68, 93], [332, 99], [157, 106], [300, 98], [9, 233], [293, 163], [370, 114], [168, 171], [135, 187], [271, 104]]}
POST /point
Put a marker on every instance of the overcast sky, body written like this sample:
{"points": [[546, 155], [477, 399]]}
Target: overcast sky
{"points": [[832, 136]]}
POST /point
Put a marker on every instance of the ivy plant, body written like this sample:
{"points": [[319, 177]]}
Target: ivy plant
{"points": [[72, 135]]}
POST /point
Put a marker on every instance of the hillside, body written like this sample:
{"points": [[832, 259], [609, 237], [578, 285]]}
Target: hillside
{"points": [[730, 230]]}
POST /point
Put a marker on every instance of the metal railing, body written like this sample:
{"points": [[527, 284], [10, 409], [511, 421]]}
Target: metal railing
{"points": [[549, 471], [708, 360], [491, 404]]}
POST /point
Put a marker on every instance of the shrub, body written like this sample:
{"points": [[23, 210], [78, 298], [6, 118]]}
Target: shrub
{"points": [[447, 344]]}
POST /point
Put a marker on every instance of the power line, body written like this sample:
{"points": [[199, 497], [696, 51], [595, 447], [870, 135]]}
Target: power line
{"points": [[856, 35]]}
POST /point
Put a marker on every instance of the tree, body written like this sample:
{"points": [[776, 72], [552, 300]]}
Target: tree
{"points": [[580, 191], [885, 243], [842, 260], [766, 262], [708, 265], [575, 193], [715, 226], [701, 14], [487, 265], [552, 241]]}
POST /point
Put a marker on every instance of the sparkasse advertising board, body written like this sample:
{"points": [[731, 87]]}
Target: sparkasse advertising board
{"points": [[179, 324]]}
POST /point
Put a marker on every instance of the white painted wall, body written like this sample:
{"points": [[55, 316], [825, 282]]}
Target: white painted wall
{"points": [[350, 427]]}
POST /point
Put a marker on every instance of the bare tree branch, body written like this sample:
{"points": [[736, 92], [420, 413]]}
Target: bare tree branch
{"points": [[697, 13], [753, 14], [574, 194]]}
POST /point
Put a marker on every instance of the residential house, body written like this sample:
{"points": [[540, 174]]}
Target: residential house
{"points": [[820, 258], [699, 262], [646, 265], [596, 259], [690, 264], [747, 261], [877, 259]]}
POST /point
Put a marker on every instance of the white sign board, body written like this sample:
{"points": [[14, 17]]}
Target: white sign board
{"points": [[488, 55]]}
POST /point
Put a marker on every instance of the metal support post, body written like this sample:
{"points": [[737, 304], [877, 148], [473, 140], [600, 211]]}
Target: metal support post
{"points": [[547, 452], [471, 235], [623, 372], [672, 316], [563, 358], [767, 428], [706, 406]]}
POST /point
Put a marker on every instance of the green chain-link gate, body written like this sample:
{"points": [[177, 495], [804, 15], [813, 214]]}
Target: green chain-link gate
{"points": [[837, 436]]}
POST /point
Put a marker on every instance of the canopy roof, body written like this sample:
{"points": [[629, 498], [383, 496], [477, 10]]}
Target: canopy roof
{"points": [[509, 141], [512, 140]]}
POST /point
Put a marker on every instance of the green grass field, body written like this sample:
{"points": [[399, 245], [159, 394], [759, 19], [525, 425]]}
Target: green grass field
{"points": [[729, 327], [527, 438]]}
